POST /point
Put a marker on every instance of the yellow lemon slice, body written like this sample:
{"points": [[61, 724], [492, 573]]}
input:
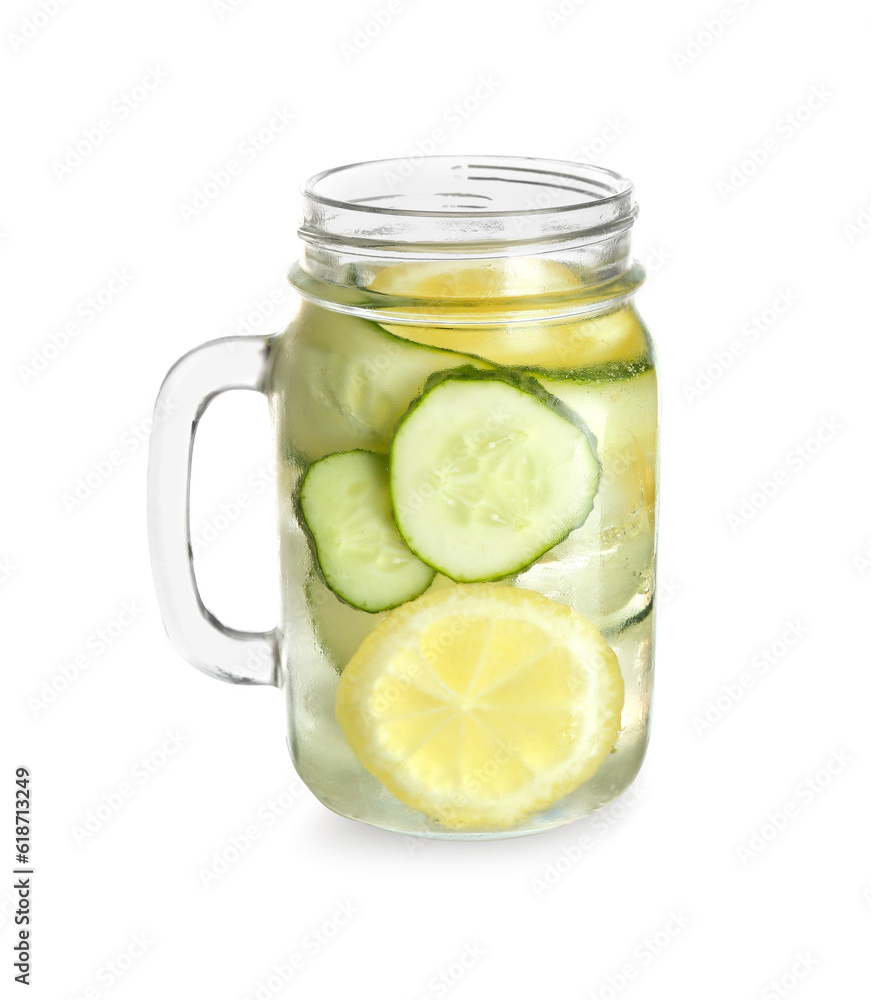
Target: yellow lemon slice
{"points": [[473, 279], [479, 704], [496, 288]]}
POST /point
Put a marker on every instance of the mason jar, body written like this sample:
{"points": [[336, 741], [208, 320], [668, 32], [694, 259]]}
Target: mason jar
{"points": [[465, 417]]}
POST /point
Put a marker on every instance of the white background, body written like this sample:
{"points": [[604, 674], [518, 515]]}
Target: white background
{"points": [[749, 821]]}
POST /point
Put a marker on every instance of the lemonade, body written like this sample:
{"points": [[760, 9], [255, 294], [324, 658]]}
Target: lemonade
{"points": [[467, 527], [466, 419]]}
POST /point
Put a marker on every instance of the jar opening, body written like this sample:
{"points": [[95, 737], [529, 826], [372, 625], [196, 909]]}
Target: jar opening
{"points": [[468, 200]]}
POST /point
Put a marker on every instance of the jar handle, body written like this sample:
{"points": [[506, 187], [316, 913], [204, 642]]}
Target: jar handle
{"points": [[190, 385]]}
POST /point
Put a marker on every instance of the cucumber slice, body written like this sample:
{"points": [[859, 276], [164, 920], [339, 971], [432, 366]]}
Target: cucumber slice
{"points": [[605, 569], [342, 383], [345, 501], [487, 472]]}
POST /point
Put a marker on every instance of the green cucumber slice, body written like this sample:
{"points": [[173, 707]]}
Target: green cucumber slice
{"points": [[342, 383], [345, 502], [487, 472]]}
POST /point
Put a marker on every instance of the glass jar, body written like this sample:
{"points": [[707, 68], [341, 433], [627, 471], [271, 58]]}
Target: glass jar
{"points": [[466, 421]]}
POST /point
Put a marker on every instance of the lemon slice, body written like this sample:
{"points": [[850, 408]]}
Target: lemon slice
{"points": [[616, 336], [472, 279], [480, 704]]}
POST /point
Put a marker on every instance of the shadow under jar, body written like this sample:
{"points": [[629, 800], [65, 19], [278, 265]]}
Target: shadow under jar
{"points": [[466, 420]]}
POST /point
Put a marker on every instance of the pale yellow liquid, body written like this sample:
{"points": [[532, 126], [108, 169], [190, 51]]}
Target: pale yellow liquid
{"points": [[336, 386]]}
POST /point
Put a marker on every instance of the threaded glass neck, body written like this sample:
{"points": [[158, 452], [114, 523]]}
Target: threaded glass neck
{"points": [[502, 212]]}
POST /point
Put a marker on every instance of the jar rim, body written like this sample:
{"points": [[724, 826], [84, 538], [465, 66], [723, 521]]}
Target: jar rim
{"points": [[579, 172], [503, 199]]}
